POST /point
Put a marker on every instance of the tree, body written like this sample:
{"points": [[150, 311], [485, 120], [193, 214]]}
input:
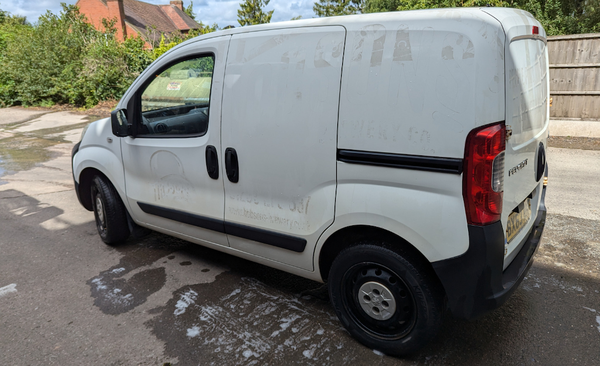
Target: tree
{"points": [[250, 12], [80, 65], [557, 16], [11, 28], [376, 6], [6, 17], [189, 10], [564, 16], [204, 29], [328, 8]]}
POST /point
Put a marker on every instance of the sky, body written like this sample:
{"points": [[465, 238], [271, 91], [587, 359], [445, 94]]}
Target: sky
{"points": [[221, 12]]}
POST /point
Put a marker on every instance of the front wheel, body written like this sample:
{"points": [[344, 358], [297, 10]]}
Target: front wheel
{"points": [[383, 300], [109, 211]]}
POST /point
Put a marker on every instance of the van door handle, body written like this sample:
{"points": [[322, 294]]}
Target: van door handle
{"points": [[231, 165], [212, 162]]}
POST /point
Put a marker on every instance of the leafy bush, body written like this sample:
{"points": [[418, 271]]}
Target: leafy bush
{"points": [[10, 27], [64, 60]]}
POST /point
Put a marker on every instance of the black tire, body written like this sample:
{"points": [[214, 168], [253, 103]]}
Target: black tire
{"points": [[109, 211], [404, 302]]}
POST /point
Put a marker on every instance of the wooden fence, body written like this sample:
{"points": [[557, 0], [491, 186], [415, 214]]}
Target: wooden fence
{"points": [[575, 76]]}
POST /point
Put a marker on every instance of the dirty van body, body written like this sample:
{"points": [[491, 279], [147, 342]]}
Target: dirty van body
{"points": [[399, 157]]}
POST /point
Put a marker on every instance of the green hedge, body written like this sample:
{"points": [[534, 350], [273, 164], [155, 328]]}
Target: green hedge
{"points": [[64, 60]]}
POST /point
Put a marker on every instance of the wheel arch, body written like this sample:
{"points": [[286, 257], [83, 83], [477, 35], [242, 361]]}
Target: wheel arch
{"points": [[85, 185], [354, 235]]}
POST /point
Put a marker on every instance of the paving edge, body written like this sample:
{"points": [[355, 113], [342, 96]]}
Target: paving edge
{"points": [[575, 128]]}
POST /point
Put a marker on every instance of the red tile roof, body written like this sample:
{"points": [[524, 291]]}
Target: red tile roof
{"points": [[179, 17], [165, 18], [152, 20]]}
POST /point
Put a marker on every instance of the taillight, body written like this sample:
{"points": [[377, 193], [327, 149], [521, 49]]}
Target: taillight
{"points": [[483, 174]]}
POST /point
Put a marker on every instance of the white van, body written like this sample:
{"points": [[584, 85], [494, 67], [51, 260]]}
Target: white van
{"points": [[399, 157]]}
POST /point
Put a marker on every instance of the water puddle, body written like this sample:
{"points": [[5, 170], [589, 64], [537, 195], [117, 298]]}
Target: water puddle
{"points": [[21, 152], [24, 151], [130, 283], [2, 170], [55, 133], [91, 118], [243, 321]]}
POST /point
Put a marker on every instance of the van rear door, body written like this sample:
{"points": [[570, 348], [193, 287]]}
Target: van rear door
{"points": [[527, 88]]}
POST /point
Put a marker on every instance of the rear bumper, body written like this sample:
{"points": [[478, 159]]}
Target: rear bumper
{"points": [[475, 282]]}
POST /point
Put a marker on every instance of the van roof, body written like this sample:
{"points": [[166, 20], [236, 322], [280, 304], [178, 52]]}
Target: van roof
{"points": [[508, 17]]}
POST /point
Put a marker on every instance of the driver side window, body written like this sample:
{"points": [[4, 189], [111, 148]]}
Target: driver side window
{"points": [[176, 102]]}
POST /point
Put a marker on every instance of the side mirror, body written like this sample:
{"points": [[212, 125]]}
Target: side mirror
{"points": [[118, 119]]}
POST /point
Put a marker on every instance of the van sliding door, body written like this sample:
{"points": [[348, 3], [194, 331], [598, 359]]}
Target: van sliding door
{"points": [[279, 127]]}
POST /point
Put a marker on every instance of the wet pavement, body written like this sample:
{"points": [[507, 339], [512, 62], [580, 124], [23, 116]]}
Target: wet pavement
{"points": [[68, 299]]}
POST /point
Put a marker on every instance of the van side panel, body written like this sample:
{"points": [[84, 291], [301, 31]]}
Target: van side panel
{"points": [[414, 88], [419, 206], [417, 84]]}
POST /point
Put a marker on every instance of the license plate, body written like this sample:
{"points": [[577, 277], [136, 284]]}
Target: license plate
{"points": [[518, 220]]}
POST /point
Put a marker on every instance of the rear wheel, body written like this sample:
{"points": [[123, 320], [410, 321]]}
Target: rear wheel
{"points": [[109, 211], [383, 300]]}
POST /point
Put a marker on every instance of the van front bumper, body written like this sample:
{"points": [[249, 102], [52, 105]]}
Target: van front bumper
{"points": [[74, 151], [475, 282]]}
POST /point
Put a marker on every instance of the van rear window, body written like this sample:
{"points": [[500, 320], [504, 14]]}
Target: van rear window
{"points": [[528, 88]]}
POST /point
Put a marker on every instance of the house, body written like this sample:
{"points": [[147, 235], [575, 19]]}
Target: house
{"points": [[135, 17]]}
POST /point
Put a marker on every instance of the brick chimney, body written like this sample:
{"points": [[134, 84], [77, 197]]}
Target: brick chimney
{"points": [[177, 4], [115, 10]]}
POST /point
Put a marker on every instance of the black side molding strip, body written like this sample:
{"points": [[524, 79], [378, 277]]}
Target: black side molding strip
{"points": [[186, 218], [279, 240], [266, 237], [414, 162]]}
